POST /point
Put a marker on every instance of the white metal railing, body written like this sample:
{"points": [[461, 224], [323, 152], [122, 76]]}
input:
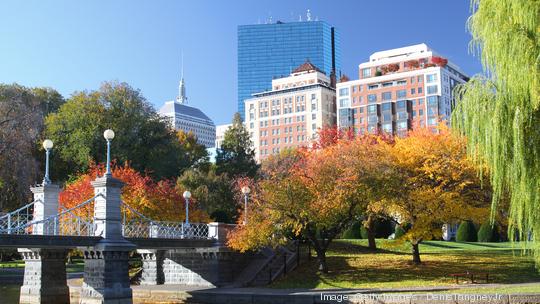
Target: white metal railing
{"points": [[19, 217], [138, 225], [69, 222]]}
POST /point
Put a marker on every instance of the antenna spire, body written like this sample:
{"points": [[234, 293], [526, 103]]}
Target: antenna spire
{"points": [[182, 98], [308, 15]]}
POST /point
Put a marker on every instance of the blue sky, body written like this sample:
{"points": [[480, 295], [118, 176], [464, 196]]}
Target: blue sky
{"points": [[75, 45]]}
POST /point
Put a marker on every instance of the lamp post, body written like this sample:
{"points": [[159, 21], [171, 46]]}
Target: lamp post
{"points": [[47, 145], [245, 191], [109, 135], [187, 196]]}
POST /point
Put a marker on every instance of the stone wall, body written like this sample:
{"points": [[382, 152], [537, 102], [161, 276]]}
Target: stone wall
{"points": [[209, 267]]}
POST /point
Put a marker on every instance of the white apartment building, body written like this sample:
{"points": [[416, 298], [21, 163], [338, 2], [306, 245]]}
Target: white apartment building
{"points": [[399, 89], [291, 114]]}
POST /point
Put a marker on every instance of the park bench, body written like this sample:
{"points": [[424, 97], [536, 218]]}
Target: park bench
{"points": [[471, 276]]}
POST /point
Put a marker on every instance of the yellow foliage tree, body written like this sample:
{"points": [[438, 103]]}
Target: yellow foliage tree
{"points": [[432, 182]]}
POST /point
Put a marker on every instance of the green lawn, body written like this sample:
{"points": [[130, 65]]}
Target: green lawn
{"points": [[76, 265], [351, 265]]}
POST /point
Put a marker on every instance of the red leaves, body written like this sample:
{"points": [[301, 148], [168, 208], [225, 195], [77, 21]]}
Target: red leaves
{"points": [[158, 200]]}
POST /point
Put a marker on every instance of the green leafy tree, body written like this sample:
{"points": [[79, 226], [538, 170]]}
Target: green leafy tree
{"points": [[236, 156], [196, 153], [142, 136], [213, 192], [500, 112]]}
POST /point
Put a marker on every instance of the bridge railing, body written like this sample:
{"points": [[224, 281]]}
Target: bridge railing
{"points": [[20, 217], [68, 222], [137, 225]]}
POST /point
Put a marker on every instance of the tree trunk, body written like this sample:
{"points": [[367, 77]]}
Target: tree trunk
{"points": [[371, 233], [415, 254], [321, 258]]}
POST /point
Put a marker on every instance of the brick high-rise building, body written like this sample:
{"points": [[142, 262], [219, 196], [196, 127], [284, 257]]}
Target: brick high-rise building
{"points": [[397, 90], [291, 113]]}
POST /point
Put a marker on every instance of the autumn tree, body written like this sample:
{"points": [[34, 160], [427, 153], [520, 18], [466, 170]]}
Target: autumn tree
{"points": [[313, 194], [431, 183], [499, 111], [159, 200], [22, 112]]}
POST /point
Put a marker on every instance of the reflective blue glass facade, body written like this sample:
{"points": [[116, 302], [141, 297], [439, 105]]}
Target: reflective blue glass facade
{"points": [[267, 51]]}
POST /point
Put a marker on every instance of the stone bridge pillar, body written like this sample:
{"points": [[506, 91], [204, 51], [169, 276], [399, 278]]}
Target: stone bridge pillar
{"points": [[44, 269], [44, 276], [106, 277], [46, 205], [152, 266]]}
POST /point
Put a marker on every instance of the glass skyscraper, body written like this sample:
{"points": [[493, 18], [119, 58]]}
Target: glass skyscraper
{"points": [[267, 51]]}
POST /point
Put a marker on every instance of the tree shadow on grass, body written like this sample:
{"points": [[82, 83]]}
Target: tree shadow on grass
{"points": [[439, 245], [341, 247], [395, 270]]}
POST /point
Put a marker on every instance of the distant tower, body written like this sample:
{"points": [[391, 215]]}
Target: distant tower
{"points": [[308, 15], [182, 98]]}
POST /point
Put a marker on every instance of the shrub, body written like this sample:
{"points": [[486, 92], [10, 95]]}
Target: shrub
{"points": [[466, 232], [488, 233], [353, 232]]}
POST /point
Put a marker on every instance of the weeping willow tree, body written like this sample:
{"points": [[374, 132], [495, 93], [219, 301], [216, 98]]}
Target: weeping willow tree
{"points": [[499, 112]]}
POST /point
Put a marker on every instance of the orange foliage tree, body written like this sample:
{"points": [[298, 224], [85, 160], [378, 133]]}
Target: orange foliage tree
{"points": [[431, 182], [312, 194], [156, 200]]}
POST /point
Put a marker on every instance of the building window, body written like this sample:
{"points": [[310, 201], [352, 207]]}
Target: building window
{"points": [[343, 91], [402, 104], [419, 90], [387, 127], [421, 112], [420, 101], [420, 78], [372, 109], [413, 91], [366, 72], [412, 79], [372, 98], [402, 125], [432, 121], [432, 100], [386, 96], [373, 86], [344, 103], [431, 78], [401, 93], [387, 106], [354, 89], [402, 82], [402, 115], [432, 89]]}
